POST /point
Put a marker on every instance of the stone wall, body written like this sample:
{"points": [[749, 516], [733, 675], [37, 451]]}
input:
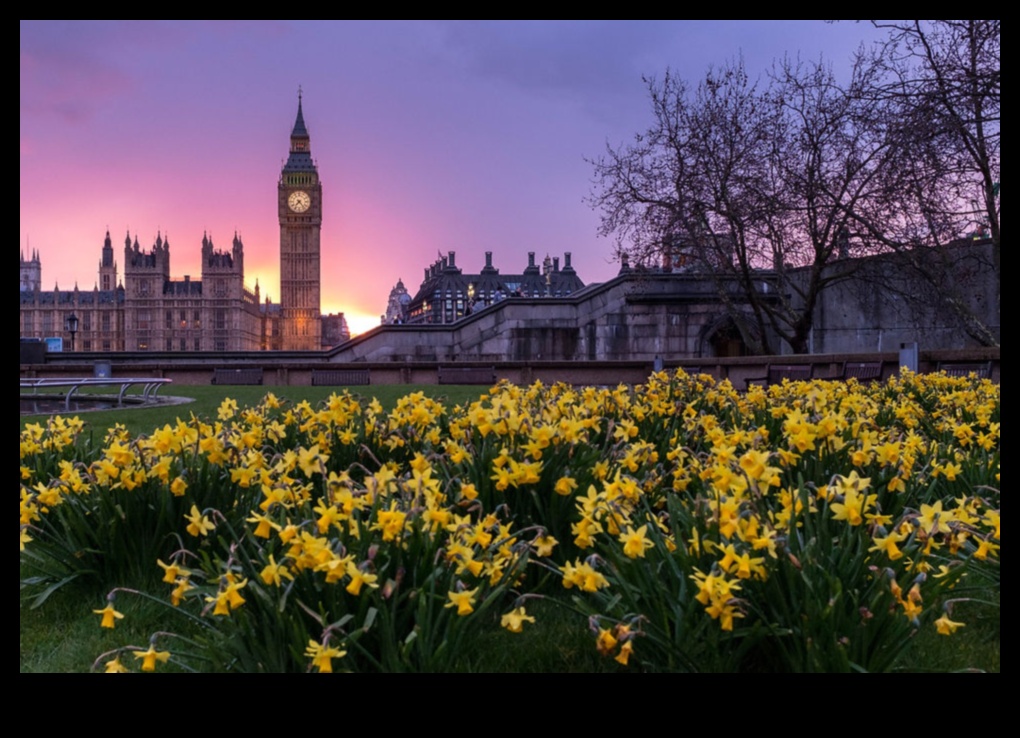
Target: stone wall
{"points": [[635, 317], [638, 316], [894, 299]]}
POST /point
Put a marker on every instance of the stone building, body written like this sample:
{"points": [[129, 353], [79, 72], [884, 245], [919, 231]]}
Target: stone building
{"points": [[675, 314], [447, 294], [148, 310]]}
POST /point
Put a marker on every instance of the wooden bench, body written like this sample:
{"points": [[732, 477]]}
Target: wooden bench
{"points": [[467, 375], [983, 369], [247, 375], [862, 371], [340, 377], [776, 373]]}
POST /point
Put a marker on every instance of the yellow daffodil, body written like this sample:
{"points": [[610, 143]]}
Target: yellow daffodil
{"points": [[583, 576], [514, 620], [984, 548], [150, 657], [933, 519], [946, 627], [274, 573], [110, 616], [229, 597], [565, 485], [172, 571], [390, 522], [198, 524], [113, 666], [625, 651], [463, 601], [182, 587], [605, 642], [359, 578], [312, 461], [635, 542], [544, 545], [322, 656], [227, 409], [178, 487], [888, 544]]}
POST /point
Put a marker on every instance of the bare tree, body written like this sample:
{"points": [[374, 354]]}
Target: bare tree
{"points": [[939, 88], [752, 184], [770, 188]]}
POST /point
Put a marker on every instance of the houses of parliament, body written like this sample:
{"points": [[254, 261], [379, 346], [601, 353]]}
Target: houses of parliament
{"points": [[145, 309]]}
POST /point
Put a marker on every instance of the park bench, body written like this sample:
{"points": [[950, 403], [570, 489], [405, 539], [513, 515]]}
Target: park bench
{"points": [[467, 375], [340, 377], [862, 371], [983, 369], [246, 375], [776, 373]]}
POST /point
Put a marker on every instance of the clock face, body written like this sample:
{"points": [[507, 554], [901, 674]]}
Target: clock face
{"points": [[299, 201]]}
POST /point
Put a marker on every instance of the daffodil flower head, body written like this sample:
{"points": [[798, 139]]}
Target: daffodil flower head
{"points": [[946, 627], [605, 642], [113, 666], [464, 601], [110, 616], [150, 657], [514, 620], [544, 545], [635, 542], [198, 524], [322, 656]]}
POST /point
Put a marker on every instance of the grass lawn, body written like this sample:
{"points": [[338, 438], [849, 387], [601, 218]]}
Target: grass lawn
{"points": [[206, 398], [63, 636]]}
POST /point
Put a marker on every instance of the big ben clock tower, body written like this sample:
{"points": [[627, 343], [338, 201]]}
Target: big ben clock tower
{"points": [[300, 207]]}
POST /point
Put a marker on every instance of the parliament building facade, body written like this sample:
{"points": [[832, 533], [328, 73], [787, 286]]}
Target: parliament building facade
{"points": [[145, 309]]}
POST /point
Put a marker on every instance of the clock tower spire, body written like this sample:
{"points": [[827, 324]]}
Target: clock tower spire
{"points": [[300, 209]]}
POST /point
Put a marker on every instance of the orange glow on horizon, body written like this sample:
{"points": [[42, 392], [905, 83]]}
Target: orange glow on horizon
{"points": [[358, 321]]}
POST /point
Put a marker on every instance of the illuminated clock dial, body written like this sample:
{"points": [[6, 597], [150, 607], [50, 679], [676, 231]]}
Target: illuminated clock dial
{"points": [[299, 201]]}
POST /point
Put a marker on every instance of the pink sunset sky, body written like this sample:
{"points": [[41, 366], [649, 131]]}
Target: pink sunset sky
{"points": [[429, 137]]}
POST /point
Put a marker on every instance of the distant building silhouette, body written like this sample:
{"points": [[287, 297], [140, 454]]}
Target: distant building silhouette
{"points": [[447, 294], [396, 305], [334, 330]]}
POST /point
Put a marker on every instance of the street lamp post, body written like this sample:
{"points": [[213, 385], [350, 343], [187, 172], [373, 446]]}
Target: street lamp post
{"points": [[72, 327]]}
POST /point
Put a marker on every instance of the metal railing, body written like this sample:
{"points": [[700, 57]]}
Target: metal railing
{"points": [[150, 386]]}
